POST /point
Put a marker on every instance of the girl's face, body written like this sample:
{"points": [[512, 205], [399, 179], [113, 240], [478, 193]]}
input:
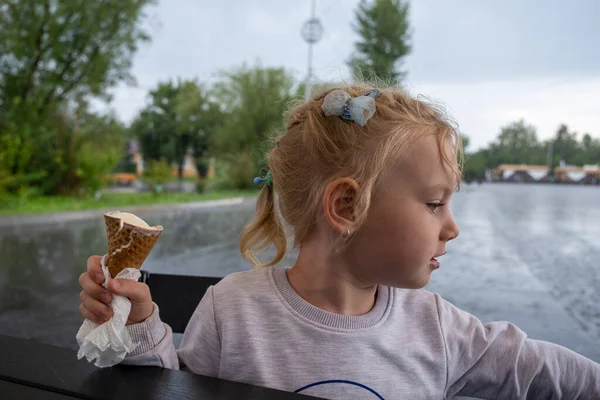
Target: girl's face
{"points": [[409, 221]]}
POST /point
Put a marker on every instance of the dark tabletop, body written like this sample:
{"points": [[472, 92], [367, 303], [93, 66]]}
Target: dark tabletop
{"points": [[31, 370]]}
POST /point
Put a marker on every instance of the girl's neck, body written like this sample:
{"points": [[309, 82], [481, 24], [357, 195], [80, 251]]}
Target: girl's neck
{"points": [[324, 281]]}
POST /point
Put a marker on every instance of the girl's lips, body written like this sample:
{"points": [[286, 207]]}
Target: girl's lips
{"points": [[434, 263]]}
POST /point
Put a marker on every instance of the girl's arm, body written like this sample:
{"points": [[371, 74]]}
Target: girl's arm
{"points": [[498, 361], [200, 347]]}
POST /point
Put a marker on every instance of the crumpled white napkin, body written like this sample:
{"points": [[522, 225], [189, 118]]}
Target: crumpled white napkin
{"points": [[109, 343]]}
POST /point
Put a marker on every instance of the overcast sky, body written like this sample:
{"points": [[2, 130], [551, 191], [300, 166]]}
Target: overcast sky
{"points": [[489, 62]]}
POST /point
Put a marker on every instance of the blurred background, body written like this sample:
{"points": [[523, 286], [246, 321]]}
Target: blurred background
{"points": [[165, 108]]}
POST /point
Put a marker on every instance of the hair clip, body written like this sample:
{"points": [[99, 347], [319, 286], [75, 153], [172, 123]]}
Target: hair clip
{"points": [[267, 179], [358, 109]]}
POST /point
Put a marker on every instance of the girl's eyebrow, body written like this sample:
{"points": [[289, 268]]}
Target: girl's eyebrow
{"points": [[447, 189]]}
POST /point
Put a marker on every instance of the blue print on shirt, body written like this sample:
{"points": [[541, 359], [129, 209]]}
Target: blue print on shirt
{"points": [[359, 386]]}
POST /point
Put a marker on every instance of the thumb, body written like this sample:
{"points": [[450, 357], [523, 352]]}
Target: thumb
{"points": [[135, 291]]}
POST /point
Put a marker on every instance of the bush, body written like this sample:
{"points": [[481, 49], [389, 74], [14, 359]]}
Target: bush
{"points": [[14, 157], [125, 165], [201, 186], [60, 152], [157, 174], [202, 166], [236, 172], [93, 166]]}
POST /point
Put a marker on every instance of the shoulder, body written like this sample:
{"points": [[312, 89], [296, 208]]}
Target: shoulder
{"points": [[244, 281], [415, 298], [243, 288], [417, 304], [426, 305]]}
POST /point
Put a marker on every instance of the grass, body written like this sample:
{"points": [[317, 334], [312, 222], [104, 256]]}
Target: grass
{"points": [[44, 205]]}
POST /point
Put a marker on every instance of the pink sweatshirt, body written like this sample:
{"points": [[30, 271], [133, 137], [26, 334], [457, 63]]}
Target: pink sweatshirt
{"points": [[253, 327]]}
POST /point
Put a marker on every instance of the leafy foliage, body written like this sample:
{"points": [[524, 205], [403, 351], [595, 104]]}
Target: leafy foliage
{"points": [[383, 28], [517, 143], [55, 56], [255, 100], [181, 116], [157, 174]]}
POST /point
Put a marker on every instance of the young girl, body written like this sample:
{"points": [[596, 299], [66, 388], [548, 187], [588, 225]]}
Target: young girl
{"points": [[364, 178]]}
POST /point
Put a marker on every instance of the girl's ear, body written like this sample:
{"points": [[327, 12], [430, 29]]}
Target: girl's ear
{"points": [[339, 202]]}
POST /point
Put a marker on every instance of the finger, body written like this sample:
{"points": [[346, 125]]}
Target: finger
{"points": [[87, 314], [95, 307], [137, 292], [94, 289], [94, 268]]}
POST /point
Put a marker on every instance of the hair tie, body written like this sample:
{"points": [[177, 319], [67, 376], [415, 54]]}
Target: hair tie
{"points": [[267, 179], [358, 109]]}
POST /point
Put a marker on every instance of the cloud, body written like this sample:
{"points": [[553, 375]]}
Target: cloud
{"points": [[481, 109], [468, 40], [490, 62]]}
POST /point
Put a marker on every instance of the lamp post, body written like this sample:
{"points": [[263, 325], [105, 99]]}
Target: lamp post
{"points": [[312, 31]]}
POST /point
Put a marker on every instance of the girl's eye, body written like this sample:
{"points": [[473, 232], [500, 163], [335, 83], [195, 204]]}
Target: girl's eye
{"points": [[434, 206]]}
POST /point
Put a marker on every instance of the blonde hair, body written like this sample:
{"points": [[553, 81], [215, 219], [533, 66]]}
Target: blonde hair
{"points": [[316, 149]]}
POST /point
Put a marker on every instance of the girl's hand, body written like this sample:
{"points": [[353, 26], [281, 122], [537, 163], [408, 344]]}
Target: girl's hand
{"points": [[95, 299]]}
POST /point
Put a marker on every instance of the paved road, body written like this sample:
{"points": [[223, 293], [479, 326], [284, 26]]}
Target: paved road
{"points": [[526, 254]]}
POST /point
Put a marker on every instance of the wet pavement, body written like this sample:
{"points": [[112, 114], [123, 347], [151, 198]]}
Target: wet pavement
{"points": [[526, 254]]}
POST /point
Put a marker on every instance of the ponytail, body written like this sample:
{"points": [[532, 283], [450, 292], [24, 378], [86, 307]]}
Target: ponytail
{"points": [[266, 229]]}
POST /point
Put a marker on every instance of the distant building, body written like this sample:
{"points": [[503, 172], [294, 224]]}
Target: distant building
{"points": [[189, 164], [586, 175], [520, 173], [135, 158]]}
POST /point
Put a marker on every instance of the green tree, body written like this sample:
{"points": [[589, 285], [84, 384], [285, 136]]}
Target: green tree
{"points": [[255, 100], [385, 39], [54, 58], [163, 106], [155, 142], [180, 118], [14, 158], [517, 143], [199, 117], [587, 142], [566, 147], [475, 166], [157, 174], [156, 126], [590, 149], [55, 50]]}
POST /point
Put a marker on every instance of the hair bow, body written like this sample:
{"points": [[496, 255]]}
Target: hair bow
{"points": [[358, 109]]}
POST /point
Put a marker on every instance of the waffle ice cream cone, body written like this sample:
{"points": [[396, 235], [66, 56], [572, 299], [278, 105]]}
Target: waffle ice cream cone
{"points": [[130, 240]]}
